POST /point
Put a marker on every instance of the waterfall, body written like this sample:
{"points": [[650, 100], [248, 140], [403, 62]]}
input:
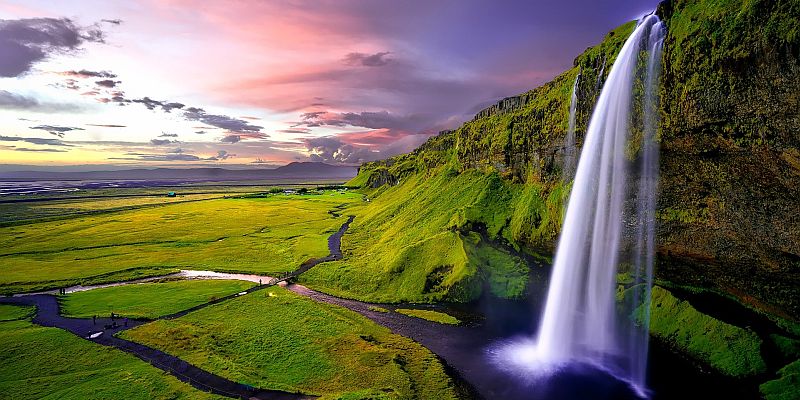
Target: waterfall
{"points": [[569, 142], [609, 228]]}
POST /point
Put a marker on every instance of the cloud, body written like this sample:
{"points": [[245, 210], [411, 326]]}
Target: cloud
{"points": [[231, 139], [24, 42], [13, 101], [221, 155], [112, 21], [367, 60], [162, 142], [107, 83], [220, 121], [259, 161], [363, 119], [88, 74], [158, 157], [40, 141], [331, 149], [108, 125], [56, 130], [168, 134], [200, 132], [45, 150]]}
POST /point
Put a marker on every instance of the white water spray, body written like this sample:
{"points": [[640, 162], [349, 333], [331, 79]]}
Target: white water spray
{"points": [[582, 321]]}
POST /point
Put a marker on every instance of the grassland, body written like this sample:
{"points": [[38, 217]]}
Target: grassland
{"points": [[786, 387], [731, 350], [265, 235], [48, 363], [419, 240], [148, 300], [280, 340], [430, 315]]}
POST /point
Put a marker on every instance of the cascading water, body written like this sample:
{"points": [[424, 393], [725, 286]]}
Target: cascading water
{"points": [[569, 142], [608, 228]]}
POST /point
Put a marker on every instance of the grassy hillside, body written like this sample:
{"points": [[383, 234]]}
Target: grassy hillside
{"points": [[421, 240], [730, 171]]}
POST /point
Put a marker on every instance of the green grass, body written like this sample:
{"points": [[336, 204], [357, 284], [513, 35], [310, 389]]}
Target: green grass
{"points": [[259, 235], [148, 300], [378, 309], [288, 342], [416, 242], [786, 387], [48, 363], [789, 348], [11, 313], [430, 315], [729, 349]]}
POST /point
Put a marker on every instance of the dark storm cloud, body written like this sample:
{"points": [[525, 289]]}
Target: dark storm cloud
{"points": [[24, 42], [89, 74], [13, 101], [368, 60], [107, 83], [40, 141], [56, 130]]}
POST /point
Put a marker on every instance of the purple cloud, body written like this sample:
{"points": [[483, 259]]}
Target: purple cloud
{"points": [[24, 42]]}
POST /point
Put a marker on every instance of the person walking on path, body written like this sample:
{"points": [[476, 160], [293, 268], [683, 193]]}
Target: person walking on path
{"points": [[126, 322], [94, 319]]}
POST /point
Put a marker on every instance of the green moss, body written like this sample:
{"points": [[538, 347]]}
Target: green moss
{"points": [[786, 387], [430, 315], [731, 350]]}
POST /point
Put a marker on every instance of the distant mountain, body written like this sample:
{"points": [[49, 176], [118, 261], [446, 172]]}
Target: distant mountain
{"points": [[295, 170]]}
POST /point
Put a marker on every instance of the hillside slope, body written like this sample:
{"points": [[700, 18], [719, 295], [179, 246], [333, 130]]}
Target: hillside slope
{"points": [[730, 173]]}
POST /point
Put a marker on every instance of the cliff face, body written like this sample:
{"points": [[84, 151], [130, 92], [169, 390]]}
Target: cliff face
{"points": [[730, 165]]}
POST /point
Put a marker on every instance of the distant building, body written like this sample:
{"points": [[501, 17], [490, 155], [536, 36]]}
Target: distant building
{"points": [[171, 194]]}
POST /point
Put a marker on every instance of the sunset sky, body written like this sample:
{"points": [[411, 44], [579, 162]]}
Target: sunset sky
{"points": [[235, 83]]}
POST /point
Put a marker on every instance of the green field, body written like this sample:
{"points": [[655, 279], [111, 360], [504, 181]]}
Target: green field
{"points": [[48, 363], [430, 315], [148, 300], [277, 339], [264, 235]]}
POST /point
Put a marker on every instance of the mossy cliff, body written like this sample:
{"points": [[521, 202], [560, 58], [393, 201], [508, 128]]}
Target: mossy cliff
{"points": [[730, 164]]}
